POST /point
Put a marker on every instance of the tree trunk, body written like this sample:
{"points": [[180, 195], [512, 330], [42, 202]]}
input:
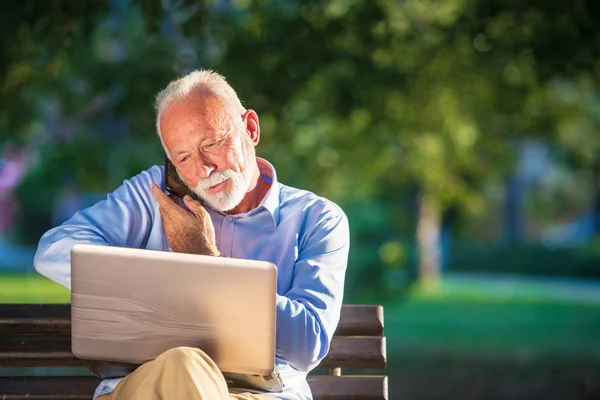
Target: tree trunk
{"points": [[429, 237], [513, 215], [596, 204]]}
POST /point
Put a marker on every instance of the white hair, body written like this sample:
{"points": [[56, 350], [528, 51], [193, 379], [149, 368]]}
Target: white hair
{"points": [[206, 81]]}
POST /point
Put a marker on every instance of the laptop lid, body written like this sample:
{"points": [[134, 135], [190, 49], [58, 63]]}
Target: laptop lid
{"points": [[130, 305]]}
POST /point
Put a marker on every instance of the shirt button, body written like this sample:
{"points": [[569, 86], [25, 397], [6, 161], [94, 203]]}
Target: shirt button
{"points": [[229, 219]]}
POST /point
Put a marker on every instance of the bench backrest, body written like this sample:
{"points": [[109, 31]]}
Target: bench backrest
{"points": [[40, 335]]}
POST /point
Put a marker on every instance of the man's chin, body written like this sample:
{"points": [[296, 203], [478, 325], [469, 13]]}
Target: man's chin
{"points": [[223, 205]]}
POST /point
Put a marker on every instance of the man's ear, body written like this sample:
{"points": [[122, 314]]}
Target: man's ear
{"points": [[252, 125]]}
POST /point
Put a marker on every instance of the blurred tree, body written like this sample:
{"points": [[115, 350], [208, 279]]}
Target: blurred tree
{"points": [[381, 94], [548, 53], [79, 82], [36, 39], [363, 101]]}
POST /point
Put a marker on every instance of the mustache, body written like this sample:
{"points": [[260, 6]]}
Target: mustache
{"points": [[214, 179]]}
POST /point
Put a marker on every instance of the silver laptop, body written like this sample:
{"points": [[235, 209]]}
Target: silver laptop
{"points": [[130, 305]]}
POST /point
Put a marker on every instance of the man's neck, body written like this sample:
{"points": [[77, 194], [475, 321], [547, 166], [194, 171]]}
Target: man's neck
{"points": [[254, 196]]}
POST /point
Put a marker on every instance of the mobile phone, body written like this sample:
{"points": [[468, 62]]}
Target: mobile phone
{"points": [[174, 184]]}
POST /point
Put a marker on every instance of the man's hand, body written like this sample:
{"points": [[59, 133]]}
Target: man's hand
{"points": [[187, 231]]}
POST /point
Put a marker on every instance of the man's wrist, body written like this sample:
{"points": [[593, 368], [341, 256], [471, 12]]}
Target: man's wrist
{"points": [[215, 253]]}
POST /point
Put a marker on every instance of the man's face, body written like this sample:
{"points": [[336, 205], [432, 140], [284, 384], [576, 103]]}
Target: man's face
{"points": [[212, 153]]}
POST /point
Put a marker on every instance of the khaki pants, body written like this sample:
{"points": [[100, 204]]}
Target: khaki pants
{"points": [[179, 373]]}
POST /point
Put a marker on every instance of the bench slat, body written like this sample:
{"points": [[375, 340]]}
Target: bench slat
{"points": [[55, 350], [35, 311], [356, 352], [28, 319], [37, 351], [15, 319], [48, 387], [360, 320], [368, 387], [82, 388]]}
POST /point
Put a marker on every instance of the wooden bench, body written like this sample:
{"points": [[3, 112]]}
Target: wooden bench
{"points": [[39, 335]]}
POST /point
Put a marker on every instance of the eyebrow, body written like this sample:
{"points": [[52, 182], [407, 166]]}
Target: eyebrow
{"points": [[227, 133]]}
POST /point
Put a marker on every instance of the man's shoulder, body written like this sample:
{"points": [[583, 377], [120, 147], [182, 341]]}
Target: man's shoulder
{"points": [[154, 174], [308, 203], [139, 187]]}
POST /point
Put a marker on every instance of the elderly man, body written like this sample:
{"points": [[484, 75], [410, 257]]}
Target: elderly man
{"points": [[244, 212]]}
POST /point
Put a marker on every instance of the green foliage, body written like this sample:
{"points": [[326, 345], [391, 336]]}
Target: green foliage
{"points": [[419, 93], [380, 257], [375, 100], [532, 260], [367, 102], [36, 47]]}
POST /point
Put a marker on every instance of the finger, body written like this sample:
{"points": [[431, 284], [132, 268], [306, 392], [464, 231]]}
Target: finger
{"points": [[193, 205], [158, 194], [177, 201], [165, 203]]}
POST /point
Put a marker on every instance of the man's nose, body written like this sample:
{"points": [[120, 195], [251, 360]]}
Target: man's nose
{"points": [[205, 168]]}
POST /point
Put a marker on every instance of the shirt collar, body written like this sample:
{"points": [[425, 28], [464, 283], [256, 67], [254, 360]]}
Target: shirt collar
{"points": [[271, 200]]}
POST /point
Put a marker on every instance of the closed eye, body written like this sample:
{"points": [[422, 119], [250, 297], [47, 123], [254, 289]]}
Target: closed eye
{"points": [[213, 145]]}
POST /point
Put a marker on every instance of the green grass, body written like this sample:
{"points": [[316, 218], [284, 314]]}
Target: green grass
{"points": [[31, 288], [492, 328], [492, 339], [524, 318]]}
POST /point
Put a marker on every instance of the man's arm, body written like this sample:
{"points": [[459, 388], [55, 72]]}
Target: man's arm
{"points": [[123, 219], [308, 314]]}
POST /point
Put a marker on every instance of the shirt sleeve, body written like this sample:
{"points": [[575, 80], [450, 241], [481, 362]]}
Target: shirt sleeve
{"points": [[308, 314], [123, 219]]}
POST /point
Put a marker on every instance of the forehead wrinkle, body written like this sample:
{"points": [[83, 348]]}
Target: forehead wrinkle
{"points": [[217, 118], [212, 108], [186, 133]]}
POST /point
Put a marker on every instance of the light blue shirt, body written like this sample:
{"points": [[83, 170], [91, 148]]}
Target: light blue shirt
{"points": [[304, 235]]}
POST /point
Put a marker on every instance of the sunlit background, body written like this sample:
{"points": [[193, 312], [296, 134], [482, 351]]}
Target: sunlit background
{"points": [[461, 137]]}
